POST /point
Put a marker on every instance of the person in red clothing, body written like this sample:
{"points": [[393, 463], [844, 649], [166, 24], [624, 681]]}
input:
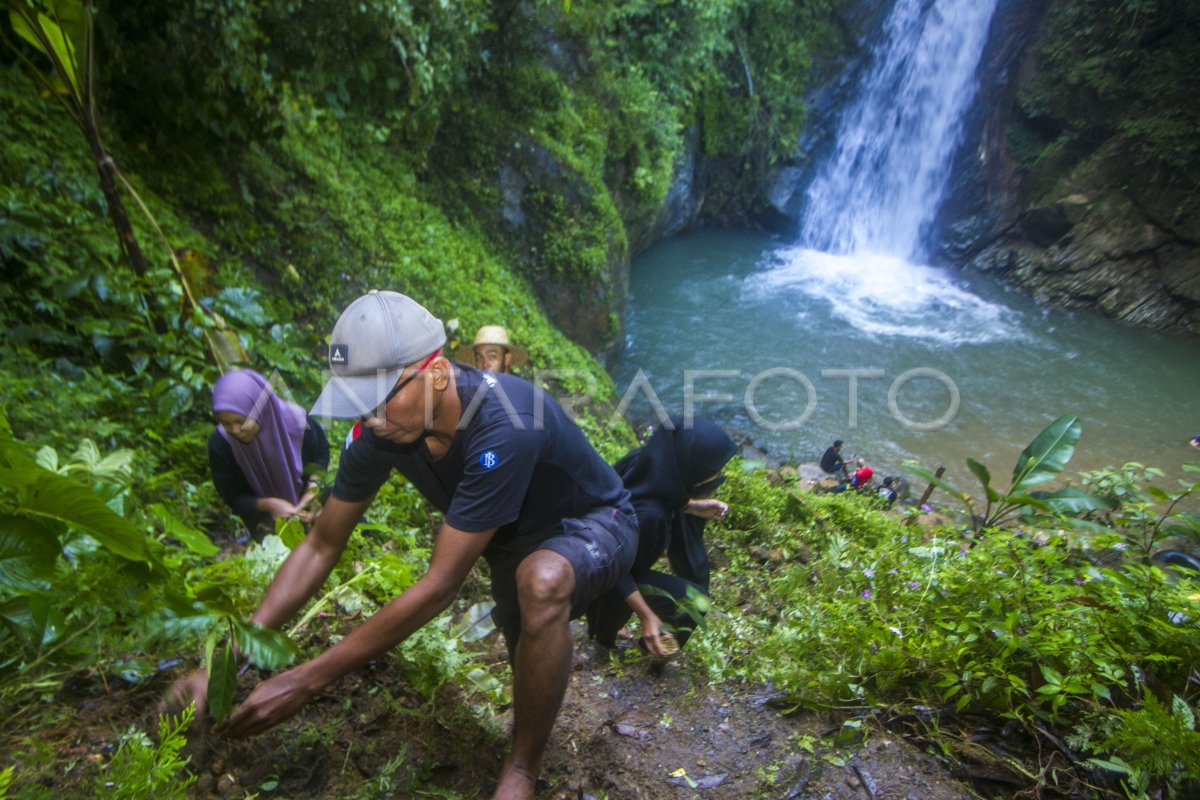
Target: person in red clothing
{"points": [[862, 476]]}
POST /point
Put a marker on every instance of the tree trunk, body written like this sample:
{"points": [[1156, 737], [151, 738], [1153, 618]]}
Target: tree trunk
{"points": [[126, 238]]}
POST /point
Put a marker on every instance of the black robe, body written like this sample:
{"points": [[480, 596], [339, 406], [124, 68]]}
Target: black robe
{"points": [[673, 467]]}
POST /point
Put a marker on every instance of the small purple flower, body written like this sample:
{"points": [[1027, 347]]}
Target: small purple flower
{"points": [[1079, 582], [914, 585], [866, 594], [1120, 545], [926, 507], [873, 648], [1000, 572], [870, 573]]}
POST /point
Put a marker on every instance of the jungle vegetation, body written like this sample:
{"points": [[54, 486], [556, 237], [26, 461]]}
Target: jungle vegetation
{"points": [[276, 159]]}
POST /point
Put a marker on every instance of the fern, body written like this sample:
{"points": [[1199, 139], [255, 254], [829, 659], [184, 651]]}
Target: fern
{"points": [[141, 771], [1159, 741]]}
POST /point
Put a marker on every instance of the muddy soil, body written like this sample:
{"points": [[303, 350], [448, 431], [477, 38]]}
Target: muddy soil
{"points": [[627, 731]]}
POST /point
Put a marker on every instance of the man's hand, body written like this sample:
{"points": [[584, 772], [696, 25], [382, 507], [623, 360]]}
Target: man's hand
{"points": [[271, 702], [191, 688], [708, 509]]}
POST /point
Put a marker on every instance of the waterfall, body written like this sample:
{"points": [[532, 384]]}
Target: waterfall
{"points": [[881, 187]]}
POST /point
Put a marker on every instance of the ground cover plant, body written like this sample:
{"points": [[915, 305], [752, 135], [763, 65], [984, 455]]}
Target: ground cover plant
{"points": [[1059, 629]]}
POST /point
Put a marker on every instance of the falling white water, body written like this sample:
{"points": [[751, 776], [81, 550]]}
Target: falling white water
{"points": [[880, 188]]}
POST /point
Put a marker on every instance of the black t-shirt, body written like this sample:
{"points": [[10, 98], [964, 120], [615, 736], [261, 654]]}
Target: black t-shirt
{"points": [[832, 460], [517, 463]]}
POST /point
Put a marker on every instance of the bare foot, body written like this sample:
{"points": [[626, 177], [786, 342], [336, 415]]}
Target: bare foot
{"points": [[515, 784]]}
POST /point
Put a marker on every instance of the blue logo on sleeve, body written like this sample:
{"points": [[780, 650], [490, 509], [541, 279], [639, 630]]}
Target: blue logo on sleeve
{"points": [[489, 460]]}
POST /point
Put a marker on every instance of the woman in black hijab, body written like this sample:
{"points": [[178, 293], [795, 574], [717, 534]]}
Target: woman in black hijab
{"points": [[670, 480]]}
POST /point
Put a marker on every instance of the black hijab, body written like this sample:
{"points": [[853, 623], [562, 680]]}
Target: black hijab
{"points": [[673, 467]]}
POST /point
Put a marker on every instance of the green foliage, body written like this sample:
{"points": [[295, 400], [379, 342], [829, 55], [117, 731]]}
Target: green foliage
{"points": [[141, 770], [1042, 460], [1116, 70], [862, 610], [1162, 741], [232, 64], [1145, 515]]}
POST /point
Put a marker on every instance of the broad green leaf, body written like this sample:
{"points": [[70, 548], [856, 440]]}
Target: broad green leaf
{"points": [[1158, 494], [45, 34], [1050, 674], [1070, 502], [28, 550], [266, 648], [222, 681], [985, 479], [42, 493], [1047, 454], [290, 532], [194, 540]]}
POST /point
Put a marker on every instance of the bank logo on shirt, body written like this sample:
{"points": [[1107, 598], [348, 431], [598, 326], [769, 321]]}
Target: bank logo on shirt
{"points": [[489, 460]]}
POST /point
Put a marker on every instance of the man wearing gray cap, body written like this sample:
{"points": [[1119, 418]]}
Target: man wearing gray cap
{"points": [[518, 483]]}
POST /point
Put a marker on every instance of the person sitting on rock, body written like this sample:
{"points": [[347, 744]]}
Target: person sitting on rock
{"points": [[862, 476], [492, 351], [832, 461]]}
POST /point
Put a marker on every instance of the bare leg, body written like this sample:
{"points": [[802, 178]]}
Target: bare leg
{"points": [[541, 668]]}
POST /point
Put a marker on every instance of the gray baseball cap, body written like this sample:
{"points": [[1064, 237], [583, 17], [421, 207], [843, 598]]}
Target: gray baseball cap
{"points": [[375, 338]]}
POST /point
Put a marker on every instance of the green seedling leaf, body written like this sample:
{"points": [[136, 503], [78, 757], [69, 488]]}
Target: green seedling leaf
{"points": [[267, 649], [476, 623], [1113, 764], [1047, 454], [222, 682], [194, 540]]}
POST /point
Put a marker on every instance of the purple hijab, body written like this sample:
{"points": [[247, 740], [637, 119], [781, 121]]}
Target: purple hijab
{"points": [[271, 462]]}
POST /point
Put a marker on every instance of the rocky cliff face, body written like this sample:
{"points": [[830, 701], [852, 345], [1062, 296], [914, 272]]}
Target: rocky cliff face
{"points": [[1084, 229], [1093, 242]]}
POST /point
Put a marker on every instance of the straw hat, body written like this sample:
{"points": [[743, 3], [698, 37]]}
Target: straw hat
{"points": [[492, 334]]}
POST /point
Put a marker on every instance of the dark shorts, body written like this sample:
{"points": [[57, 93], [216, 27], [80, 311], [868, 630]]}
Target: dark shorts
{"points": [[600, 546]]}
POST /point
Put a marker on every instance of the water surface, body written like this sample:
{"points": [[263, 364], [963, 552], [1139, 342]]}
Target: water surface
{"points": [[730, 306]]}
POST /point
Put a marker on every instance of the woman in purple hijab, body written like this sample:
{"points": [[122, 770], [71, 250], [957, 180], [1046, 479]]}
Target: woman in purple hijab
{"points": [[265, 453]]}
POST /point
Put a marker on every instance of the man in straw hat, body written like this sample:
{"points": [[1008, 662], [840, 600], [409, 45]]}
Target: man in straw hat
{"points": [[492, 351], [518, 483]]}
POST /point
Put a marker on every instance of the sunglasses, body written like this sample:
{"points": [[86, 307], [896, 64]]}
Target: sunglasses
{"points": [[380, 411]]}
